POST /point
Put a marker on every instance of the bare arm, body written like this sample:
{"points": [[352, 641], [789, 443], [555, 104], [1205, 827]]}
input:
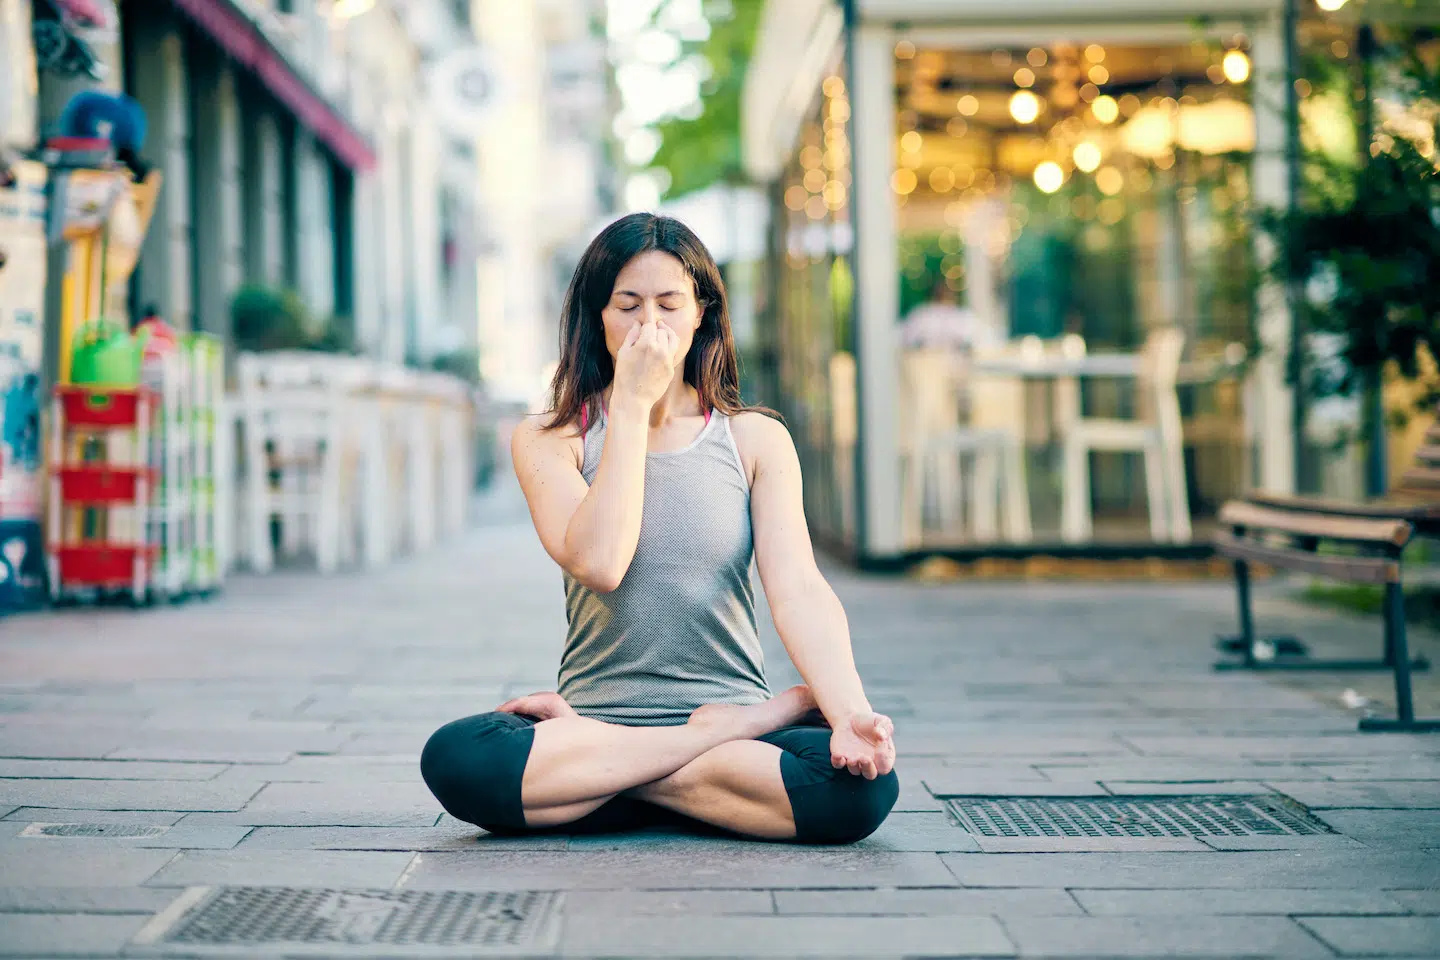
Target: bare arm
{"points": [[592, 531], [807, 614]]}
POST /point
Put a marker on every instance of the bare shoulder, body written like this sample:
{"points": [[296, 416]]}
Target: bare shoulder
{"points": [[534, 440], [762, 441]]}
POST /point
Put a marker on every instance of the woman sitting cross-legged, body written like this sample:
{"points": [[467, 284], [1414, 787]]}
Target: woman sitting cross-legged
{"points": [[653, 486]]}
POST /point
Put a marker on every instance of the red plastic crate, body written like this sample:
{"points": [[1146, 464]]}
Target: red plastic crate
{"points": [[101, 564], [101, 484], [94, 407]]}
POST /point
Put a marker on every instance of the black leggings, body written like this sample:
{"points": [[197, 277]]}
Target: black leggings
{"points": [[474, 767]]}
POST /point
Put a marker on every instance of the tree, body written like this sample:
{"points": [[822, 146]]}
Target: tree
{"points": [[1366, 247], [700, 151]]}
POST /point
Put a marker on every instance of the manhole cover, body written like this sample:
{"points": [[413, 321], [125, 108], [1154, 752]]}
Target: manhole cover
{"points": [[1133, 816], [105, 831], [276, 916]]}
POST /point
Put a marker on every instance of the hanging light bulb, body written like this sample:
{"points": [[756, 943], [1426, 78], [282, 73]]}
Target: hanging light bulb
{"points": [[1236, 66], [1330, 6], [1024, 106]]}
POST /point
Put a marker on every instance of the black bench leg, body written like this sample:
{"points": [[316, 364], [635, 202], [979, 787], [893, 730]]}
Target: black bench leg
{"points": [[1288, 654], [1243, 643], [1247, 610], [1398, 652]]}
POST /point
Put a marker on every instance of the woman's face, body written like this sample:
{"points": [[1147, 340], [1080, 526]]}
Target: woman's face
{"points": [[652, 288]]}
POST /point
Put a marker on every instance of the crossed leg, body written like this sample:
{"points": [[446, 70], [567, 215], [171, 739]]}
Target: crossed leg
{"points": [[717, 769], [711, 769]]}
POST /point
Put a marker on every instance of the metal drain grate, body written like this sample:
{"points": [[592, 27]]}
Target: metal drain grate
{"points": [[1133, 817], [252, 916], [99, 831]]}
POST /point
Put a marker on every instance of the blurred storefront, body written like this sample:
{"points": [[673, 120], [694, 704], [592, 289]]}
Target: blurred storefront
{"points": [[1012, 249]]}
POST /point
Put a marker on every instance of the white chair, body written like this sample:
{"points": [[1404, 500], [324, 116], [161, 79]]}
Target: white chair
{"points": [[934, 442], [1156, 434], [291, 424]]}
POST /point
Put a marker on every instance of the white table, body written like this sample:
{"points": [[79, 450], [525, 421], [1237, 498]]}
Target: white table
{"points": [[1096, 365]]}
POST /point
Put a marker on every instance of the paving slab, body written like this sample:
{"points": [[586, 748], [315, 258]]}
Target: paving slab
{"points": [[961, 784], [1399, 794], [32, 899], [1183, 771], [127, 794], [1217, 788], [669, 903], [107, 770], [181, 836], [162, 818], [48, 865], [901, 832], [1089, 844], [1377, 936], [1180, 903], [1300, 869], [1324, 841], [774, 866], [199, 754], [1282, 747], [1398, 829], [1018, 904], [51, 744], [1182, 936], [451, 837], [325, 769], [358, 870], [1417, 901], [65, 935], [915, 798], [827, 937]]}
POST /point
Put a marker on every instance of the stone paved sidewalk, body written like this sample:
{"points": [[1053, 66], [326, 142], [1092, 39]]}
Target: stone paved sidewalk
{"points": [[270, 738]]}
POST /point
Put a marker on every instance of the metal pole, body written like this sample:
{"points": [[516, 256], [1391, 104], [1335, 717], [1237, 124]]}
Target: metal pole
{"points": [[858, 488], [1373, 414], [1293, 301]]}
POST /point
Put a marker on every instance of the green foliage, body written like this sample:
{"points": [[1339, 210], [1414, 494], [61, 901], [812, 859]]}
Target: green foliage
{"points": [[700, 151], [269, 318], [1364, 245], [266, 318], [464, 364], [337, 336], [923, 259]]}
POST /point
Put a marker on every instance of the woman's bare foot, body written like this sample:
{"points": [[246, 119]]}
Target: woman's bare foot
{"points": [[541, 706], [756, 720]]}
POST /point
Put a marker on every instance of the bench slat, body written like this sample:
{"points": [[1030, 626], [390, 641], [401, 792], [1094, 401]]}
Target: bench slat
{"points": [[1348, 569], [1416, 513], [1429, 454], [1395, 533], [1421, 478]]}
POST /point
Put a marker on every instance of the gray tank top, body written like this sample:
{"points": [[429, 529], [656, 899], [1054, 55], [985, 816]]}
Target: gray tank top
{"points": [[679, 631]]}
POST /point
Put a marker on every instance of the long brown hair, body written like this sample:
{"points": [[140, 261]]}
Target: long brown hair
{"points": [[586, 369]]}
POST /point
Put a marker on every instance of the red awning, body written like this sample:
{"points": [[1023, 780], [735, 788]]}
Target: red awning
{"points": [[247, 45]]}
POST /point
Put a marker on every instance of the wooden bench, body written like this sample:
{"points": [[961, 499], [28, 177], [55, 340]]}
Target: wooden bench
{"points": [[1288, 533]]}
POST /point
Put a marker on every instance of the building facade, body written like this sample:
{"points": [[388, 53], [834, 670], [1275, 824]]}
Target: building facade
{"points": [[410, 168], [979, 208]]}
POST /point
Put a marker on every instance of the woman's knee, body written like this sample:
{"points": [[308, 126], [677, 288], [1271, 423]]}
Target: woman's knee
{"points": [[474, 766], [844, 809]]}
